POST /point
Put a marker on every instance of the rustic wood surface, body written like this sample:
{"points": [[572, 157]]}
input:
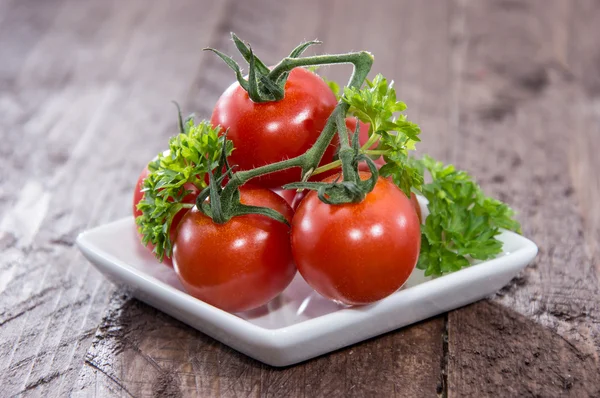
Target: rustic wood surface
{"points": [[507, 89]]}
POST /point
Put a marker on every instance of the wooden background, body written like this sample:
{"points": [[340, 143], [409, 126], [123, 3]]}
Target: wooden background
{"points": [[509, 90]]}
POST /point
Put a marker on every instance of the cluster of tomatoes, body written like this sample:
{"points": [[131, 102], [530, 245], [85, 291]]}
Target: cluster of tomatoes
{"points": [[354, 253]]}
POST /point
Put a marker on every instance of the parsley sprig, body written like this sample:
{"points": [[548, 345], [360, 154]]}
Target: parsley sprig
{"points": [[463, 223], [377, 105], [192, 153]]}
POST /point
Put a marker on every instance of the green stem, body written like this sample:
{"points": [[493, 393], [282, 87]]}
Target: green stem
{"points": [[372, 140], [374, 152], [346, 153], [243, 176], [287, 64], [327, 167]]}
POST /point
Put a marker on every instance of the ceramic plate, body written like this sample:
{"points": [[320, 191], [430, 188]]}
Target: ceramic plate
{"points": [[299, 324]]}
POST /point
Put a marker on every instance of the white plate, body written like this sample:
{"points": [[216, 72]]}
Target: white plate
{"points": [[299, 324]]}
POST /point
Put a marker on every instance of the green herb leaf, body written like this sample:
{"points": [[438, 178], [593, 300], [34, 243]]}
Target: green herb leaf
{"points": [[334, 86], [463, 223], [377, 105], [399, 165], [191, 155]]}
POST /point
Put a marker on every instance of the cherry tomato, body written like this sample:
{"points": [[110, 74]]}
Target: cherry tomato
{"points": [[357, 253], [298, 199], [269, 132], [415, 202], [138, 195], [239, 265], [287, 194]]}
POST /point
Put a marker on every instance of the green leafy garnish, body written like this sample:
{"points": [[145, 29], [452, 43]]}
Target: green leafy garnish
{"points": [[192, 153], [463, 222], [335, 88], [377, 105]]}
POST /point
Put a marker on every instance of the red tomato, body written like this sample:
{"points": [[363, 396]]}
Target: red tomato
{"points": [[415, 202], [287, 194], [264, 133], [138, 195], [357, 253], [298, 199], [239, 265]]}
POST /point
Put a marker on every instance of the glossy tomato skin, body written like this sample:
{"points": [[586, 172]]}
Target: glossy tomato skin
{"points": [[357, 253], [415, 202], [239, 265], [138, 195], [287, 194], [298, 199], [269, 132]]}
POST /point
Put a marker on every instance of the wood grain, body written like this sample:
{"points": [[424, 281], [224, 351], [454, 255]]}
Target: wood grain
{"points": [[493, 350], [139, 350], [506, 89], [78, 177], [520, 104]]}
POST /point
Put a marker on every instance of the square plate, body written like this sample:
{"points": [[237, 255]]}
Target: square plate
{"points": [[299, 324]]}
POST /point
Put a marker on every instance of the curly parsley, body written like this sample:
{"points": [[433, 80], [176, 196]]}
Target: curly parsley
{"points": [[463, 222], [377, 105], [191, 154]]}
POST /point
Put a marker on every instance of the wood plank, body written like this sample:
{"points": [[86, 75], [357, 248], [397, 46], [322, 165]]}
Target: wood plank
{"points": [[25, 25], [518, 105], [498, 352], [34, 275], [139, 350], [584, 65], [83, 117]]}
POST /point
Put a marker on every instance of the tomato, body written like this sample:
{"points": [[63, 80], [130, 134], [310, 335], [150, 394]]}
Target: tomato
{"points": [[357, 253], [239, 265], [298, 199], [138, 195], [415, 203], [287, 194], [269, 132]]}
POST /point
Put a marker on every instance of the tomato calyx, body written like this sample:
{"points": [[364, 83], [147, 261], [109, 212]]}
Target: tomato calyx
{"points": [[261, 85]]}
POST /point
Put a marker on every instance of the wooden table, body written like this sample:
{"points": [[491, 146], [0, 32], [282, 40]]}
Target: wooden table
{"points": [[509, 90]]}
